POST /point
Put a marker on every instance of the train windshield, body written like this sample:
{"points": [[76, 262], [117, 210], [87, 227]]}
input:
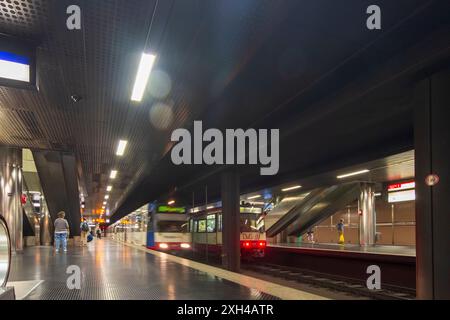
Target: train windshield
{"points": [[251, 224], [172, 226]]}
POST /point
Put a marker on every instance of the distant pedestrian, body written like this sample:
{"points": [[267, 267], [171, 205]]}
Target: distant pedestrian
{"points": [[340, 230], [84, 226], [310, 235], [61, 232], [99, 233]]}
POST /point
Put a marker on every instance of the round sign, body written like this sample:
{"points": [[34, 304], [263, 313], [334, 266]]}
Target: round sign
{"points": [[432, 180]]}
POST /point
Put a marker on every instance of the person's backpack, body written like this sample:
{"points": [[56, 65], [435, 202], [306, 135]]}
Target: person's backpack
{"points": [[90, 238], [85, 226]]}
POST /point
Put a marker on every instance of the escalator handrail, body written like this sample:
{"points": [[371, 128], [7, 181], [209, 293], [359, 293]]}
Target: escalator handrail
{"points": [[5, 252]]}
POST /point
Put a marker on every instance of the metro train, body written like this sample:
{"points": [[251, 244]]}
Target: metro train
{"points": [[206, 228], [168, 228]]}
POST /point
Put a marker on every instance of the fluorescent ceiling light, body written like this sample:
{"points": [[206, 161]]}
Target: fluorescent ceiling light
{"points": [[107, 197], [209, 207], [254, 197], [104, 202], [291, 188], [121, 147], [108, 188], [143, 73], [14, 67], [113, 174], [352, 174], [103, 207], [171, 202]]}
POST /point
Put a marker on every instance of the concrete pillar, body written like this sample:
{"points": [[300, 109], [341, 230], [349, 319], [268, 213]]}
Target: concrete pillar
{"points": [[432, 159], [10, 194], [368, 215], [231, 250]]}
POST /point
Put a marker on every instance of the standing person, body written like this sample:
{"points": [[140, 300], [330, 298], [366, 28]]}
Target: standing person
{"points": [[84, 226], [61, 232], [310, 235], [99, 233], [340, 230]]}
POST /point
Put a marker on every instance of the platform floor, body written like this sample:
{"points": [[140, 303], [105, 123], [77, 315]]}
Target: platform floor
{"points": [[409, 251], [112, 270]]}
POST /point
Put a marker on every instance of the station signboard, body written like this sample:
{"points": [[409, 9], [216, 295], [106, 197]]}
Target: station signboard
{"points": [[17, 63], [403, 191]]}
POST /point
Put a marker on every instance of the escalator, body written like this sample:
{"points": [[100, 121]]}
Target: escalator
{"points": [[317, 205]]}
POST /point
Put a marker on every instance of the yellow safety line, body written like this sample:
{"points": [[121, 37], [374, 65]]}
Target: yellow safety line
{"points": [[274, 289]]}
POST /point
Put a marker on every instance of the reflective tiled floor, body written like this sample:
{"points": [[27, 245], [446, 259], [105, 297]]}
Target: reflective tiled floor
{"points": [[114, 271], [376, 249]]}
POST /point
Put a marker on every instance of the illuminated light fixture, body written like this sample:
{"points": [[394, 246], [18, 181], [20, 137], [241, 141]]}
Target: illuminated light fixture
{"points": [[104, 202], [143, 73], [352, 174], [107, 197], [171, 202], [121, 147], [254, 197], [113, 174], [108, 188], [82, 206], [258, 203], [377, 194], [209, 207], [163, 245], [103, 207], [107, 220], [14, 67], [291, 188], [185, 245]]}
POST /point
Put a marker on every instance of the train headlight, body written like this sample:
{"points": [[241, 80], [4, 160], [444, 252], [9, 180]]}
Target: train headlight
{"points": [[185, 245], [163, 245]]}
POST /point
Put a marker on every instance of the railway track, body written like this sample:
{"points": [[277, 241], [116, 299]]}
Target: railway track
{"points": [[352, 286]]}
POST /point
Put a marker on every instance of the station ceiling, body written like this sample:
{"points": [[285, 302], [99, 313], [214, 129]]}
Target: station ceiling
{"points": [[339, 93]]}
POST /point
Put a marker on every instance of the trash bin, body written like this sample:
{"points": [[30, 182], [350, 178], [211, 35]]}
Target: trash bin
{"points": [[377, 237]]}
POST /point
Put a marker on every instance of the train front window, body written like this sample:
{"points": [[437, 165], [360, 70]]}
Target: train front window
{"points": [[172, 226], [248, 225], [251, 224]]}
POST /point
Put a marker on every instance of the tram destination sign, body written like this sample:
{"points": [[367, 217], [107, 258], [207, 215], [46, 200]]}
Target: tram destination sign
{"points": [[169, 209]]}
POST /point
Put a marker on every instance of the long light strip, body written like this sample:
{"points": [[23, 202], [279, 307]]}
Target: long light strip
{"points": [[143, 73], [113, 174], [254, 197], [171, 202], [291, 188], [108, 188], [352, 174], [121, 147]]}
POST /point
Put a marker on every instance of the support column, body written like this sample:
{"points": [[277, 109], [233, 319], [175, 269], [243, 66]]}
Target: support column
{"points": [[231, 250], [432, 156], [368, 218], [10, 194]]}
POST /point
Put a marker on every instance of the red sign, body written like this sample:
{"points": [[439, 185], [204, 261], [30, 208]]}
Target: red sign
{"points": [[402, 186]]}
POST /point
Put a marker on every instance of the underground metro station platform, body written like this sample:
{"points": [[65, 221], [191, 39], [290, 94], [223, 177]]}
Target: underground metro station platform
{"points": [[186, 152]]}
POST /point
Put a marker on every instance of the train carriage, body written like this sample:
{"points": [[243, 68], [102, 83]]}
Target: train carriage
{"points": [[206, 228]]}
